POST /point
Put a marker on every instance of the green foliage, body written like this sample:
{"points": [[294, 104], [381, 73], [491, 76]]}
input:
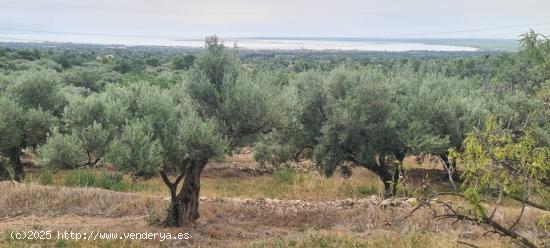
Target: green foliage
{"points": [[45, 178], [287, 176], [20, 129], [11, 124], [152, 62], [201, 140], [81, 178], [358, 118], [363, 116], [183, 62], [497, 160], [37, 126], [38, 89], [136, 151], [214, 70], [132, 65], [83, 111], [436, 112], [6, 171], [61, 151], [93, 78], [88, 178], [243, 105], [146, 78], [94, 140], [28, 54], [536, 50]]}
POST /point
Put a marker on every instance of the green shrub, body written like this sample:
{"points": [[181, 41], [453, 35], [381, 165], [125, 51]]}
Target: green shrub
{"points": [[111, 182], [87, 178], [81, 178], [287, 176], [61, 151], [6, 171], [45, 178], [367, 190]]}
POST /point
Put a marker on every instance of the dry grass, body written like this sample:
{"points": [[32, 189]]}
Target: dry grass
{"points": [[20, 199], [338, 239], [375, 226], [227, 224], [232, 224], [7, 242]]}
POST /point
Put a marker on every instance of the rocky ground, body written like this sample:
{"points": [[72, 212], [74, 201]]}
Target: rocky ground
{"points": [[301, 205]]}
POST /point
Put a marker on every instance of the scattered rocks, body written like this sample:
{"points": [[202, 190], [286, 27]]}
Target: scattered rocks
{"points": [[399, 202], [248, 169], [412, 201], [301, 205], [302, 166]]}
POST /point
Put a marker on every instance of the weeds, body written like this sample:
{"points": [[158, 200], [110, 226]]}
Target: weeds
{"points": [[284, 184], [45, 178], [288, 176]]}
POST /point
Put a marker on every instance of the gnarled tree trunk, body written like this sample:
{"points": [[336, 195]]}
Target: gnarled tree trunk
{"points": [[15, 159], [184, 206], [173, 214], [382, 171], [400, 156], [188, 197]]}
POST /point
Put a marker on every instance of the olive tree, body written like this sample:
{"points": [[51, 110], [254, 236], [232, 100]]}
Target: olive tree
{"points": [[162, 136], [29, 103], [12, 134], [342, 119], [93, 77], [38, 89], [435, 113], [84, 136], [367, 117], [19, 129], [61, 151], [230, 105], [86, 118]]}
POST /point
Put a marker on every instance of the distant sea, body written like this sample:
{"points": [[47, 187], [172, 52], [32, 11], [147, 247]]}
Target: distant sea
{"points": [[320, 43]]}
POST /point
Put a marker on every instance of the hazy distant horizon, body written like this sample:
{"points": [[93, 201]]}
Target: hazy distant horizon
{"points": [[266, 43]]}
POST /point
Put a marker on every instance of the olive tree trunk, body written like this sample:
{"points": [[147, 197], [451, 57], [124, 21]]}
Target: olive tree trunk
{"points": [[381, 170], [188, 197], [399, 156], [15, 159], [184, 206], [173, 211]]}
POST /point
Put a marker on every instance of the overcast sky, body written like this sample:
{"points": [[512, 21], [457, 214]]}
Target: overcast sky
{"points": [[313, 18]]}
